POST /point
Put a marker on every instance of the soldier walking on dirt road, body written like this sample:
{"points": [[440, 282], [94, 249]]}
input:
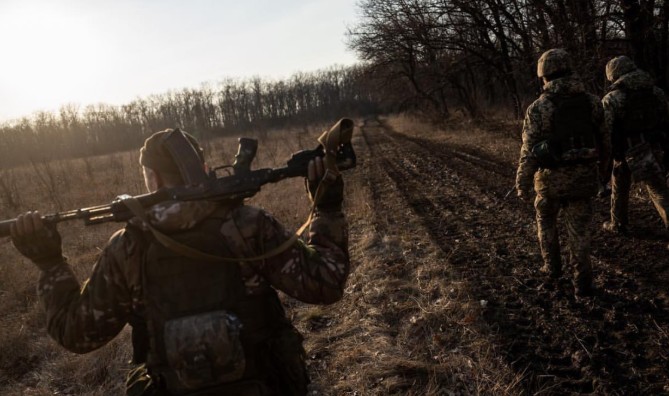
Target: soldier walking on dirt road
{"points": [[199, 326], [564, 139], [635, 111]]}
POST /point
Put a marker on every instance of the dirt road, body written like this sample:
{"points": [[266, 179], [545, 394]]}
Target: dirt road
{"points": [[447, 297]]}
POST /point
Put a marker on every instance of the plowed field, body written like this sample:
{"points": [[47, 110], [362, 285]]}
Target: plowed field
{"points": [[447, 297]]}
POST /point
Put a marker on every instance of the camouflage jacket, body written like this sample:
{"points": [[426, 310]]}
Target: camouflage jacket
{"points": [[83, 318], [614, 102], [577, 180]]}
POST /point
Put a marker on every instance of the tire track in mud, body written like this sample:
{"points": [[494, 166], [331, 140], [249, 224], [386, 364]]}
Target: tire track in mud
{"points": [[613, 343]]}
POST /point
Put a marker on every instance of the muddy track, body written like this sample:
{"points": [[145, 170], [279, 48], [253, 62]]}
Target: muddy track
{"points": [[615, 342]]}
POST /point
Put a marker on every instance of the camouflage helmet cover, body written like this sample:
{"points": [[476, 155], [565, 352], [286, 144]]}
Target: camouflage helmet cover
{"points": [[552, 62], [618, 67], [155, 155]]}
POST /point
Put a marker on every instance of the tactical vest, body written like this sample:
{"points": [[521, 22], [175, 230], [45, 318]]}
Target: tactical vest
{"points": [[572, 138], [201, 330]]}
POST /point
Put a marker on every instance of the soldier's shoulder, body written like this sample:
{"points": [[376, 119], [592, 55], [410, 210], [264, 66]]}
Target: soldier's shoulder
{"points": [[251, 220], [123, 235], [541, 106], [544, 100], [613, 97], [127, 240]]}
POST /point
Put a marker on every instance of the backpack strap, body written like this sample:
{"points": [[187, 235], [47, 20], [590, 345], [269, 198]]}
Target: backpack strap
{"points": [[138, 210]]}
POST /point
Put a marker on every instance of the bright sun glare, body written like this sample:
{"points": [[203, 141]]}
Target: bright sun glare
{"points": [[50, 57], [54, 53]]}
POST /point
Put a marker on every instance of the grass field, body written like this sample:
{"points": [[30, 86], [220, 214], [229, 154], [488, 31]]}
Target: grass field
{"points": [[30, 362], [444, 297]]}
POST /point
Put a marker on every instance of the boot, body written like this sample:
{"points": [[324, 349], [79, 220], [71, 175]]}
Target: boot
{"points": [[583, 286], [615, 228], [554, 271]]}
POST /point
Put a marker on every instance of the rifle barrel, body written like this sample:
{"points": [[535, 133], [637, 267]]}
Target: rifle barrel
{"points": [[5, 225]]}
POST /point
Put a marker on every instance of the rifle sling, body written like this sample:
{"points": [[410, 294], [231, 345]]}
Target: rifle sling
{"points": [[138, 210]]}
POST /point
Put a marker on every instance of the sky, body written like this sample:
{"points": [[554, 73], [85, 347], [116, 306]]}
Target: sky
{"points": [[57, 52]]}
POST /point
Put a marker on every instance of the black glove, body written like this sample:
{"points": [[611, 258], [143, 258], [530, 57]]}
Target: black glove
{"points": [[332, 195], [37, 240]]}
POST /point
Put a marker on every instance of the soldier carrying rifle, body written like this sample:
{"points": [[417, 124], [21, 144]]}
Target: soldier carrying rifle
{"points": [[197, 282]]}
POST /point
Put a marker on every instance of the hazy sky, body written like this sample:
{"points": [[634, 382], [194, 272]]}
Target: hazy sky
{"points": [[54, 52]]}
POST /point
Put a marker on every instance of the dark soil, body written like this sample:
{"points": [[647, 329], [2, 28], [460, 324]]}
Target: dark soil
{"points": [[615, 342]]}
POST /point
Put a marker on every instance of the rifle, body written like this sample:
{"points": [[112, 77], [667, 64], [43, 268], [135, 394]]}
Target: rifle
{"points": [[509, 192], [243, 183]]}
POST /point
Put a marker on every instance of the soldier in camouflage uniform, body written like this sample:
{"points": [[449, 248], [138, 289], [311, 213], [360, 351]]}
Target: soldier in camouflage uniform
{"points": [[563, 140], [199, 327], [635, 111]]}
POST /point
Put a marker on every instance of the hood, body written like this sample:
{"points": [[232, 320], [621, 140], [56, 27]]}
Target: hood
{"points": [[564, 85], [174, 216], [637, 79]]}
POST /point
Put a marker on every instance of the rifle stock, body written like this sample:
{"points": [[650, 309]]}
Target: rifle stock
{"points": [[244, 184]]}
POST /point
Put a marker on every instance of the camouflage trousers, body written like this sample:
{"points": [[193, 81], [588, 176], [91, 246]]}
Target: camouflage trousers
{"points": [[577, 214], [621, 183]]}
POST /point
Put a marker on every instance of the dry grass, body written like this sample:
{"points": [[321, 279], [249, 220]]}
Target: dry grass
{"points": [[30, 362], [407, 324], [494, 135]]}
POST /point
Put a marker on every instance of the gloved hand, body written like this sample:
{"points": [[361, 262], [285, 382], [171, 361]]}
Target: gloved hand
{"points": [[38, 241], [524, 195], [333, 191]]}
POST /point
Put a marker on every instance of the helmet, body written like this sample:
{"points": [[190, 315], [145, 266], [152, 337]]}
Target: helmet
{"points": [[552, 62], [155, 154], [619, 66]]}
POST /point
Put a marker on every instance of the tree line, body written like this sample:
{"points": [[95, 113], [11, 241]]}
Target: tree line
{"points": [[434, 54], [230, 106], [426, 55]]}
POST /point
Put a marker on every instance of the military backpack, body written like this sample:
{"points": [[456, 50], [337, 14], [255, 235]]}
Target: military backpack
{"points": [[572, 139], [637, 130], [201, 332]]}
